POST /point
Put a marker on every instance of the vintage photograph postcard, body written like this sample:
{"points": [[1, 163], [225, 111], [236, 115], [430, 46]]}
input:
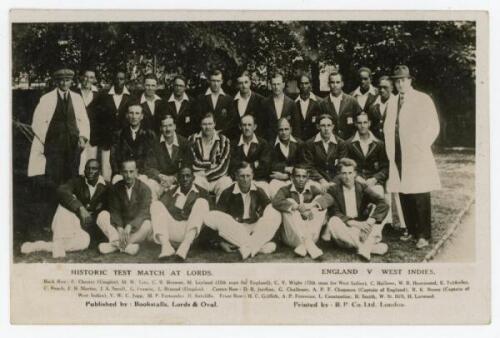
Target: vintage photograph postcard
{"points": [[250, 167]]}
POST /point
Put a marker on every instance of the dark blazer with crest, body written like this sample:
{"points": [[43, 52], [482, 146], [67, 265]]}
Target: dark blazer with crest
{"points": [[74, 194], [375, 164], [185, 120], [151, 121], [345, 117], [259, 156], [168, 199], [268, 119], [133, 211], [254, 107], [306, 128], [232, 204], [334, 200], [159, 161], [377, 119], [223, 112], [321, 164], [295, 156]]}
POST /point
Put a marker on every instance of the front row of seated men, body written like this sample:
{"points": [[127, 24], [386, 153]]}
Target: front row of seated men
{"points": [[244, 217]]}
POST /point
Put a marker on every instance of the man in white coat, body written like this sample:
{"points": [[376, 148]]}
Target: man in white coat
{"points": [[410, 129], [62, 129]]}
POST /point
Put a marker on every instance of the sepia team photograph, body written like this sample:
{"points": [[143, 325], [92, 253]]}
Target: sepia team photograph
{"points": [[279, 141]]}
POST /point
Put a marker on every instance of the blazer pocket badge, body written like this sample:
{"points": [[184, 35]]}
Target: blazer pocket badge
{"points": [[256, 164], [349, 120], [187, 119]]}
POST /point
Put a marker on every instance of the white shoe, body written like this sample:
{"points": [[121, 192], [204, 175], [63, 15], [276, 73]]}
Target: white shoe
{"points": [[268, 248], [312, 249], [27, 248], [326, 236], [422, 243], [58, 249], [364, 252], [166, 250], [380, 249], [132, 249], [107, 248], [183, 249], [301, 250], [30, 247], [245, 252]]}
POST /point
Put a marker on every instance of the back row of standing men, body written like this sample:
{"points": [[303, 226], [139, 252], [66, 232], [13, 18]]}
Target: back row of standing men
{"points": [[264, 132]]}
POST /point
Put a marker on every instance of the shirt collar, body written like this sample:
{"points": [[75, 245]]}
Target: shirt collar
{"points": [[292, 139], [175, 143], [143, 98], [336, 98], [184, 97], [254, 140], [99, 180], [61, 93], [92, 88], [179, 192], [371, 138], [378, 100], [112, 91], [238, 96], [209, 92], [236, 189], [311, 97], [200, 135], [318, 138], [357, 92], [307, 187]]}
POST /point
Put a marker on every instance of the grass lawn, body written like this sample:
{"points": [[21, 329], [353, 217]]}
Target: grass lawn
{"points": [[457, 177]]}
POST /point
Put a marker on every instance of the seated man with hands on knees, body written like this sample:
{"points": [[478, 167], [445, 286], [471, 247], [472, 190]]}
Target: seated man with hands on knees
{"points": [[177, 217], [302, 220], [80, 200], [357, 213], [127, 221], [245, 217]]}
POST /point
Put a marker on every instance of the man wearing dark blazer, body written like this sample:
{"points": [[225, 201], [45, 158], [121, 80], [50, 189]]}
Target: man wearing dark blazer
{"points": [[133, 141], [287, 152], [110, 117], [365, 94], [377, 112], [356, 212], [127, 221], [307, 111], [174, 222], [80, 200], [342, 107], [245, 102], [302, 220], [153, 106], [215, 101], [254, 150], [180, 107], [167, 155], [322, 152], [275, 107], [245, 217], [369, 154]]}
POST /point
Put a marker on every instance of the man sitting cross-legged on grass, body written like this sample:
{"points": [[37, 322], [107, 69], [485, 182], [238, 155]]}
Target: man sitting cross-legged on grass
{"points": [[80, 200], [302, 220], [351, 226], [127, 222], [177, 217], [244, 216]]}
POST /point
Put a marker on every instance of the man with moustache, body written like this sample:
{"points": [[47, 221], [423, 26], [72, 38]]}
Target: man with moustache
{"points": [[127, 221], [110, 117], [180, 107], [302, 220], [275, 107], [167, 155], [341, 106], [365, 94], [177, 217], [245, 217], [80, 200], [307, 111]]}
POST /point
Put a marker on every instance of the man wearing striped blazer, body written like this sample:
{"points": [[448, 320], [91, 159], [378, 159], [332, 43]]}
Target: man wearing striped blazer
{"points": [[211, 153]]}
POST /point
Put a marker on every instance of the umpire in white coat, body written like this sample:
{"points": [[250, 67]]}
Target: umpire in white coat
{"points": [[410, 128]]}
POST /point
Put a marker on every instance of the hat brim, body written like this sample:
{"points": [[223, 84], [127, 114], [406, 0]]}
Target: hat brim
{"points": [[401, 77]]}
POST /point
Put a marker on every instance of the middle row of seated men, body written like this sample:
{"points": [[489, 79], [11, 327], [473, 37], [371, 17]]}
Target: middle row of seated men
{"points": [[244, 217], [213, 156]]}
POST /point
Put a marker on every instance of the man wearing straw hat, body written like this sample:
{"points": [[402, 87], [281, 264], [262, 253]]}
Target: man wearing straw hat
{"points": [[410, 129]]}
